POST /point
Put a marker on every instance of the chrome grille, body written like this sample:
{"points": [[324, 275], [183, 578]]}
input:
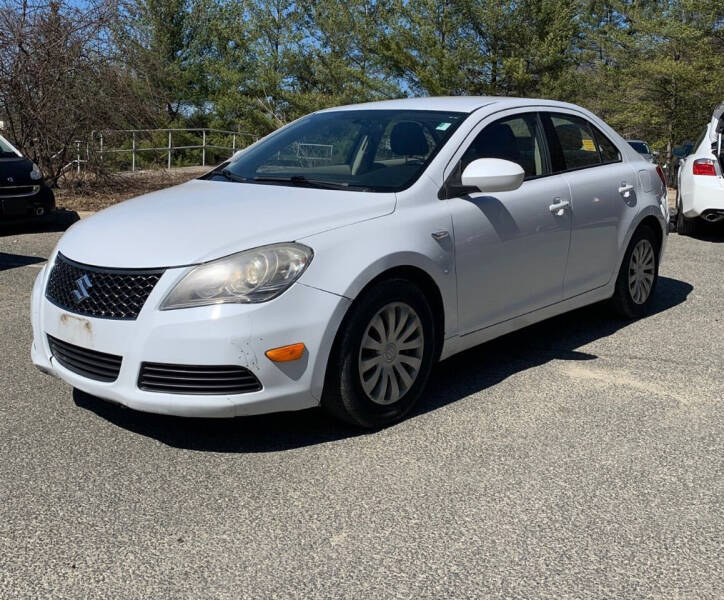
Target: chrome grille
{"points": [[100, 292]]}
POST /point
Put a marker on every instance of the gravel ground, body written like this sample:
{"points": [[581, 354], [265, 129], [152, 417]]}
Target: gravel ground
{"points": [[580, 458]]}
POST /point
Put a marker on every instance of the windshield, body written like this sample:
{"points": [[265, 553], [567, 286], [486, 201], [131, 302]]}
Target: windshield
{"points": [[371, 150], [640, 147], [6, 150]]}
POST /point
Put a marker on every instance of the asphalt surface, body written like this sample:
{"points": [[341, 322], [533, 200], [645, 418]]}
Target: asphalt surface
{"points": [[580, 458]]}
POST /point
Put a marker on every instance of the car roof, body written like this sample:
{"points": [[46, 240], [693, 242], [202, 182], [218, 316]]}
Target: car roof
{"points": [[464, 104]]}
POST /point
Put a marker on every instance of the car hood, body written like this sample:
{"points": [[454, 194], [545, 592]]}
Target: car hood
{"points": [[18, 169], [203, 220]]}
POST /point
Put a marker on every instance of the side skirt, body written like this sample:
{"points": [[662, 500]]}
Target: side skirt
{"points": [[464, 342]]}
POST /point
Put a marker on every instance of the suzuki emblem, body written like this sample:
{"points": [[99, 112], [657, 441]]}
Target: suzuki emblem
{"points": [[82, 285]]}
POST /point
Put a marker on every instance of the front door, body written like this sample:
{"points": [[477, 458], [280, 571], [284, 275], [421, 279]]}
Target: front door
{"points": [[510, 247]]}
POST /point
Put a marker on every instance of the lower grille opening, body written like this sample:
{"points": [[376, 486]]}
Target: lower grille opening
{"points": [[197, 379], [88, 363]]}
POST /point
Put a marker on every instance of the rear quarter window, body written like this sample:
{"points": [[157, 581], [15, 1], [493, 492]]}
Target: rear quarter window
{"points": [[609, 152]]}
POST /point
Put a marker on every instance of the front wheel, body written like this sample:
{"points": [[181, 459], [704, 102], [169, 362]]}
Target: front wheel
{"points": [[638, 275], [382, 357]]}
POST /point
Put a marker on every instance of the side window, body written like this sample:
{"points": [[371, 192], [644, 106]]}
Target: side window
{"points": [[609, 152], [517, 139], [575, 143]]}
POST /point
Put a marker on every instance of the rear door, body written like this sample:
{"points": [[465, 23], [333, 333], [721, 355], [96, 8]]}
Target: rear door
{"points": [[602, 187]]}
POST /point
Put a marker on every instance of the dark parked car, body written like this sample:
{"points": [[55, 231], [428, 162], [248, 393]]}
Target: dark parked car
{"points": [[23, 192], [643, 149]]}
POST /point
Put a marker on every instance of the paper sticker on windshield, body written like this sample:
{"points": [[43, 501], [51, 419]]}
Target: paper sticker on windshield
{"points": [[443, 126], [589, 145]]}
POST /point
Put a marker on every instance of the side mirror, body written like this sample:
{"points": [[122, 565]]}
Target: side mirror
{"points": [[493, 175]]}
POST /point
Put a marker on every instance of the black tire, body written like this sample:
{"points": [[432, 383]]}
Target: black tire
{"points": [[622, 300], [684, 225], [344, 397], [43, 203]]}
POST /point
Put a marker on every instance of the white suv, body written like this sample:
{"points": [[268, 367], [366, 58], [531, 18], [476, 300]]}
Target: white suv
{"points": [[701, 179]]}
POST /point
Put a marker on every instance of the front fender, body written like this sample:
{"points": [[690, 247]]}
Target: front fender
{"points": [[348, 258]]}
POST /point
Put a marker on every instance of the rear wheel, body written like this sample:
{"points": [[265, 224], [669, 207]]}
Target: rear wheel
{"points": [[684, 225], [382, 357], [638, 275]]}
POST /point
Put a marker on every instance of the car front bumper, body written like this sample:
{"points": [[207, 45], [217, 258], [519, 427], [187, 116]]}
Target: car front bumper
{"points": [[16, 202], [223, 334]]}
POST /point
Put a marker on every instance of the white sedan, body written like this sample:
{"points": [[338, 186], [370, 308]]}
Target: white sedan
{"points": [[700, 190], [335, 261]]}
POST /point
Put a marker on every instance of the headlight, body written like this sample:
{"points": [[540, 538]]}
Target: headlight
{"points": [[251, 276], [36, 173]]}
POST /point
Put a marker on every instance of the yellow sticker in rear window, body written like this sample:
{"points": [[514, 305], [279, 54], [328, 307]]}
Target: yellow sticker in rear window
{"points": [[589, 145]]}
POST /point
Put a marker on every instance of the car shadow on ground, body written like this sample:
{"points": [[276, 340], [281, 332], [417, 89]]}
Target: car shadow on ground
{"points": [[58, 220], [472, 371], [12, 261], [705, 231], [554, 339], [709, 232]]}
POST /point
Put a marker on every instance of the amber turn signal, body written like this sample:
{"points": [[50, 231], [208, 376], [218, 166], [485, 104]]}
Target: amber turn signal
{"points": [[286, 353]]}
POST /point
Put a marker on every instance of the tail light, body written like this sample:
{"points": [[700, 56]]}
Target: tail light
{"points": [[660, 172], [704, 166]]}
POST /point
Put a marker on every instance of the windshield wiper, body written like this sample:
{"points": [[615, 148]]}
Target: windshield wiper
{"points": [[231, 176], [301, 180]]}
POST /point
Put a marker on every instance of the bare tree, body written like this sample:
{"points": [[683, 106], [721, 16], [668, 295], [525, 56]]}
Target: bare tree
{"points": [[60, 78]]}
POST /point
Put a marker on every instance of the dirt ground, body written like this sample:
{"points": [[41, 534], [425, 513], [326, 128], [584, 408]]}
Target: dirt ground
{"points": [[87, 194]]}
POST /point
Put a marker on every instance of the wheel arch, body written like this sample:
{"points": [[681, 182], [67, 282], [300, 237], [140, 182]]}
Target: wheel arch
{"points": [[429, 287], [651, 218], [416, 275], [655, 225]]}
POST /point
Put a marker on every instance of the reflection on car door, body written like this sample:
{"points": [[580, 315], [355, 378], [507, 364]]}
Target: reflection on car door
{"points": [[510, 247], [602, 187]]}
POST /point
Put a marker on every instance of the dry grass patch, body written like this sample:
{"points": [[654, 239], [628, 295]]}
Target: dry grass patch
{"points": [[88, 192]]}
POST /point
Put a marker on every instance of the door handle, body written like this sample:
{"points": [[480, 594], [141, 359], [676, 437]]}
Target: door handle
{"points": [[625, 189], [559, 207]]}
